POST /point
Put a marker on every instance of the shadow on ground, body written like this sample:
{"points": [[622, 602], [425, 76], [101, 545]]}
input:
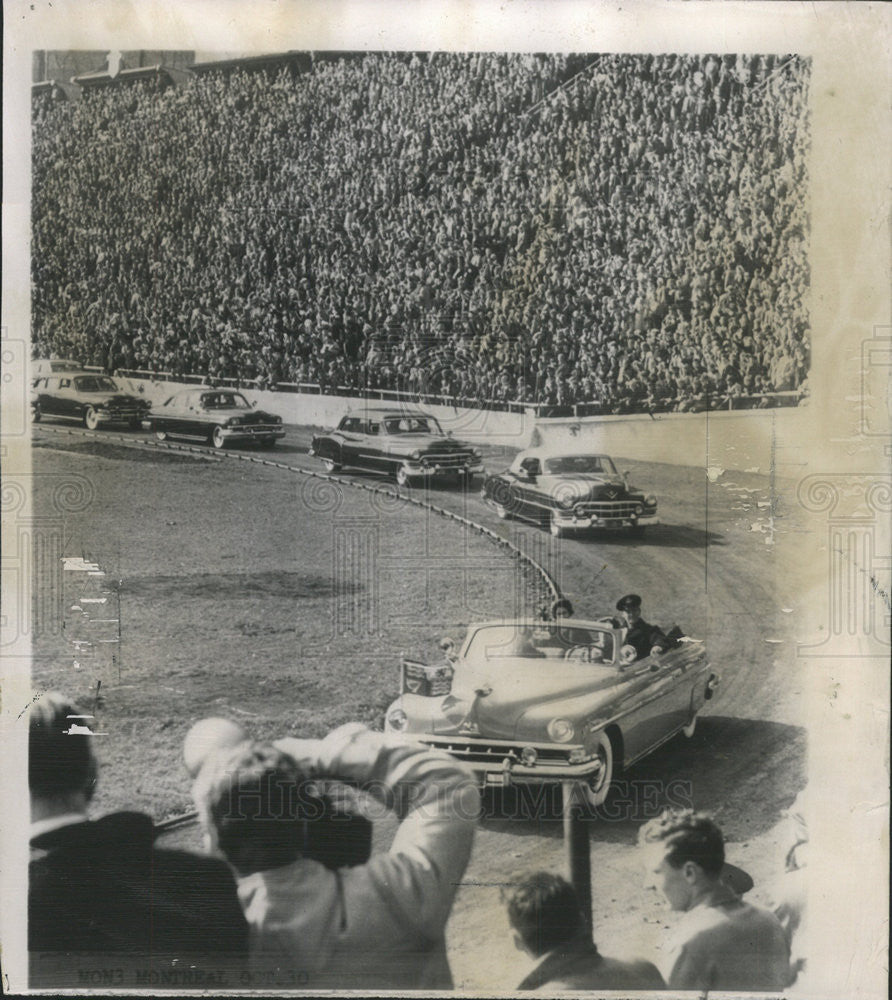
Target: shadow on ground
{"points": [[743, 771]]}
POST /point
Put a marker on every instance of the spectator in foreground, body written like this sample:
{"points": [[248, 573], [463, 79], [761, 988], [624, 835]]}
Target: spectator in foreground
{"points": [[548, 925], [101, 885], [721, 942], [378, 925]]}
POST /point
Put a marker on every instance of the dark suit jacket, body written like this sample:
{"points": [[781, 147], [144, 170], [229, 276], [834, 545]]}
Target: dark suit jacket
{"points": [[644, 636], [578, 965], [103, 886]]}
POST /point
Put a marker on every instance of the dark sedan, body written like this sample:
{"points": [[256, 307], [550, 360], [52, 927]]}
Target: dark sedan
{"points": [[569, 492], [92, 399], [407, 444], [216, 416]]}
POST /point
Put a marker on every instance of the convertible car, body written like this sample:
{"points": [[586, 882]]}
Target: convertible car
{"points": [[569, 492], [214, 415], [407, 444], [527, 701], [92, 398]]}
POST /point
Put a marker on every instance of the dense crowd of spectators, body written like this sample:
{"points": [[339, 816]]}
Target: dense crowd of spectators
{"points": [[627, 230]]}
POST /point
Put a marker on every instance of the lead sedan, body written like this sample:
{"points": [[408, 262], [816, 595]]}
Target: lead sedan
{"points": [[526, 701], [93, 399], [407, 444], [567, 492], [216, 416]]}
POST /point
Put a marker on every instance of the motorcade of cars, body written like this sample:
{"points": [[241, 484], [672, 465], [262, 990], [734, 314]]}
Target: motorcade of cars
{"points": [[527, 701], [405, 444], [92, 398], [215, 416], [569, 491]]}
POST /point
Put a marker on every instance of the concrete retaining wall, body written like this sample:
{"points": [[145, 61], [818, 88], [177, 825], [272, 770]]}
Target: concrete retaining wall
{"points": [[740, 440]]}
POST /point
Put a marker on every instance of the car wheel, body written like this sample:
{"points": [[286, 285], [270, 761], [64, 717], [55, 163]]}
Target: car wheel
{"points": [[402, 476], [160, 435], [91, 419], [330, 465], [596, 787], [217, 438], [554, 527], [691, 727]]}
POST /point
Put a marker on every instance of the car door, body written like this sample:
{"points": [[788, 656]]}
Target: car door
{"points": [[527, 494], [64, 400], [660, 689], [44, 400], [350, 437]]}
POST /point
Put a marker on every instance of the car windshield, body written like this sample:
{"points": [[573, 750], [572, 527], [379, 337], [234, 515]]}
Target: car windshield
{"points": [[411, 425], [541, 641], [573, 464], [95, 383], [224, 401]]}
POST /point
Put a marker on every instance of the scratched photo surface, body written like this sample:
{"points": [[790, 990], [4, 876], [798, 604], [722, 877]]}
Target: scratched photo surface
{"points": [[353, 362]]}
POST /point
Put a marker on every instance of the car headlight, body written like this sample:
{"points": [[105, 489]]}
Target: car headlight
{"points": [[638, 508], [397, 720], [475, 453], [277, 420], [650, 500], [415, 455], [561, 730]]}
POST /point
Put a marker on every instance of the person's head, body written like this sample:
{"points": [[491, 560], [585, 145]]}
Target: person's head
{"points": [[630, 608], [209, 736], [684, 854], [253, 802], [543, 911], [62, 768]]}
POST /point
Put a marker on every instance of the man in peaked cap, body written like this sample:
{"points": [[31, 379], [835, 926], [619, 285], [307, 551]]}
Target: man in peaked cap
{"points": [[644, 637]]}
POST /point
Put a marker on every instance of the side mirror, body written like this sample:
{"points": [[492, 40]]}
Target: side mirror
{"points": [[254, 404]]}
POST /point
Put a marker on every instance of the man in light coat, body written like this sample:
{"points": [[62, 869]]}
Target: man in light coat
{"points": [[378, 925]]}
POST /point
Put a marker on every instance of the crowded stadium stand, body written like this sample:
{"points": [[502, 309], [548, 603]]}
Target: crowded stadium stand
{"points": [[604, 233]]}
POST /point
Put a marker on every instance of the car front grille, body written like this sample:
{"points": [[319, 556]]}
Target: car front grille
{"points": [[449, 460], [611, 508], [124, 411], [486, 753]]}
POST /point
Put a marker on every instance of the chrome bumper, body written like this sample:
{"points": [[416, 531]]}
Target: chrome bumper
{"points": [[573, 523]]}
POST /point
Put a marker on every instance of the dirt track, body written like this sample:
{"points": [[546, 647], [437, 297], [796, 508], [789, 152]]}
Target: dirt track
{"points": [[231, 536]]}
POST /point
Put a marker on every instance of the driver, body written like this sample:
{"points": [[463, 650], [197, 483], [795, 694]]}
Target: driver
{"points": [[646, 639]]}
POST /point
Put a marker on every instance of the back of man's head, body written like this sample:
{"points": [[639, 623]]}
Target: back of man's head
{"points": [[544, 911], [61, 764], [687, 836], [254, 800]]}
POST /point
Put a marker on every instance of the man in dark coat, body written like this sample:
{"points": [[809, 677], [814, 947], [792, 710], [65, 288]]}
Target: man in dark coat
{"points": [[548, 925], [101, 886], [643, 636]]}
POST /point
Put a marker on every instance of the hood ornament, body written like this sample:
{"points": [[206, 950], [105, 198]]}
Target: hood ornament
{"points": [[483, 690]]}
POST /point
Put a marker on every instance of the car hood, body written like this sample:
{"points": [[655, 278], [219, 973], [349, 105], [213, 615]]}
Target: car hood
{"points": [[425, 442], [110, 398], [223, 414], [496, 698], [588, 485]]}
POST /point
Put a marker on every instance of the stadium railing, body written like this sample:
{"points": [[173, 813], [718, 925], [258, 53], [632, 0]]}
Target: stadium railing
{"points": [[685, 404]]}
